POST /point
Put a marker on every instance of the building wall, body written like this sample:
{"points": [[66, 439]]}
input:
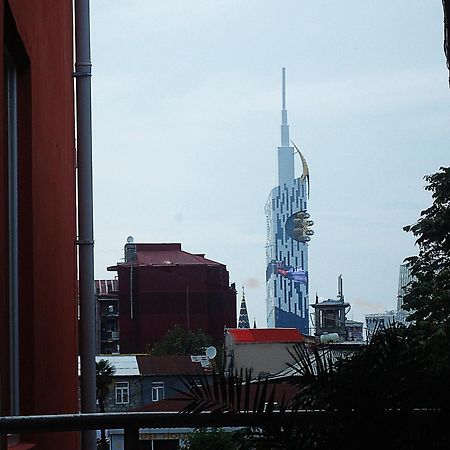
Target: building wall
{"points": [[287, 299], [155, 298], [140, 390], [384, 320], [135, 395], [259, 357], [39, 34], [107, 324]]}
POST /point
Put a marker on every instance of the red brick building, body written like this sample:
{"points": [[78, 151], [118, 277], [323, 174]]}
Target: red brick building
{"points": [[38, 337], [161, 285]]}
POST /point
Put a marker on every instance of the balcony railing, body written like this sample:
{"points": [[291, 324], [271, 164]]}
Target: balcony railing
{"points": [[131, 422], [113, 335], [109, 336]]}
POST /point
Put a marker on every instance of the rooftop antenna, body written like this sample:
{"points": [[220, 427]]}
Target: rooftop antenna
{"points": [[340, 289], [284, 121], [286, 163]]}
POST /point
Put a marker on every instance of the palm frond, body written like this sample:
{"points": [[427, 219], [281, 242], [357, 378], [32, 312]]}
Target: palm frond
{"points": [[236, 392]]}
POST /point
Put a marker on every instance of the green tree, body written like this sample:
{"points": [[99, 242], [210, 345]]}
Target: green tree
{"points": [[179, 341], [428, 298], [104, 377]]}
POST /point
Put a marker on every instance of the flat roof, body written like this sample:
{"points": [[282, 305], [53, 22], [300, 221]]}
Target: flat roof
{"points": [[265, 335]]}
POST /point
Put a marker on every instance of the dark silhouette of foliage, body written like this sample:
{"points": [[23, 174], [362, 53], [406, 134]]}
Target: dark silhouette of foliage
{"points": [[210, 439], [376, 392], [446, 7], [394, 393], [224, 392], [104, 372], [428, 298], [179, 341]]}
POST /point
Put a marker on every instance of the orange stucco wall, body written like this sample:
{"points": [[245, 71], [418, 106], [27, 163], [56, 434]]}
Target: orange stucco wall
{"points": [[47, 221]]}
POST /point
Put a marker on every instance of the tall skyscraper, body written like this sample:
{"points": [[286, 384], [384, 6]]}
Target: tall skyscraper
{"points": [[288, 234], [404, 280]]}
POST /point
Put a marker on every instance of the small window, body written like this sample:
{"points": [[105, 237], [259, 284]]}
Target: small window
{"points": [[157, 391], [122, 393]]}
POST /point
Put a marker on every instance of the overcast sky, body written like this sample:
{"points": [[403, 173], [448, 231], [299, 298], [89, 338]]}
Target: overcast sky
{"points": [[186, 116]]}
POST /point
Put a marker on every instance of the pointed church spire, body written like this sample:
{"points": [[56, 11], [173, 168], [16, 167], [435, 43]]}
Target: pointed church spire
{"points": [[243, 316]]}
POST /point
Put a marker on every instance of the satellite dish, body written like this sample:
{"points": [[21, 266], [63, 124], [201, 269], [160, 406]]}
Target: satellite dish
{"points": [[130, 239], [211, 352]]}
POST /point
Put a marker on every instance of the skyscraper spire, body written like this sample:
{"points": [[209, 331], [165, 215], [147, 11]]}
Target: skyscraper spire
{"points": [[285, 151], [243, 316], [284, 124]]}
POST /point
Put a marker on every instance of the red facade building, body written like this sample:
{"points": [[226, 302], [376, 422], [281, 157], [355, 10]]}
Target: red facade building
{"points": [[38, 314], [161, 285]]}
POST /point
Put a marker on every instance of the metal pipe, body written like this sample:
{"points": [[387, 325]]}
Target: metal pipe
{"points": [[13, 236], [85, 215]]}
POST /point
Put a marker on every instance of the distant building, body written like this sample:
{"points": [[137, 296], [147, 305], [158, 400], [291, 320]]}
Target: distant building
{"points": [[288, 234], [107, 316], [140, 380], [404, 280], [354, 331], [161, 285], [263, 350], [125, 392], [335, 350], [383, 320], [162, 375], [329, 317]]}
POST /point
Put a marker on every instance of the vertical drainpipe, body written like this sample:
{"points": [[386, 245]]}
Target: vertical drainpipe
{"points": [[85, 215]]}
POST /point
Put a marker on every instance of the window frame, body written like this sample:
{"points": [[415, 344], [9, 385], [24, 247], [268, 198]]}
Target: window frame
{"points": [[122, 393], [157, 387]]}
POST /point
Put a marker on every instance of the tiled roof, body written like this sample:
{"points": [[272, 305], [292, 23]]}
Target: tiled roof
{"points": [[168, 365], [265, 335], [283, 393], [125, 365], [167, 255], [106, 286], [330, 302]]}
